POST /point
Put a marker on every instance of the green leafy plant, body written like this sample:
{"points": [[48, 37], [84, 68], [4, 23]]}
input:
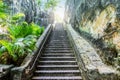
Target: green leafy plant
{"points": [[17, 31], [36, 30], [2, 50], [20, 47], [23, 41], [51, 4], [39, 2], [30, 41], [20, 39], [9, 47], [23, 30], [42, 29], [3, 14]]}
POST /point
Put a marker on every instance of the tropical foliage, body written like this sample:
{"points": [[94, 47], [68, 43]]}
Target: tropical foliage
{"points": [[3, 13], [21, 37]]}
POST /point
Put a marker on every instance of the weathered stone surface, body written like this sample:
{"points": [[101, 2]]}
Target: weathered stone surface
{"points": [[5, 71], [98, 22], [93, 67]]}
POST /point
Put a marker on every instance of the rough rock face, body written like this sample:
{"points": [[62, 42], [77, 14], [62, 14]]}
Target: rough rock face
{"points": [[91, 65], [31, 9], [99, 22]]}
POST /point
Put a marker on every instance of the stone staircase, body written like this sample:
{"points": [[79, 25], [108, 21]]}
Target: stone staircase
{"points": [[58, 61]]}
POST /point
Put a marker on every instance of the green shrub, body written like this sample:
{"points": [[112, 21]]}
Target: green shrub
{"points": [[22, 37], [18, 48], [2, 50], [9, 47], [23, 30], [36, 30], [3, 14], [42, 29], [18, 31]]}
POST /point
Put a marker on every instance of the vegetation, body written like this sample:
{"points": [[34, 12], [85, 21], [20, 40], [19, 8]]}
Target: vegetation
{"points": [[3, 13], [21, 37], [39, 2], [51, 4]]}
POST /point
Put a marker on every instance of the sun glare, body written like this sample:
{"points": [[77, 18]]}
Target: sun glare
{"points": [[59, 14], [59, 11]]}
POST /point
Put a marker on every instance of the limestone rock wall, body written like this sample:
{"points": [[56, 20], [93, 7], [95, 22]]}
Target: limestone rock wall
{"points": [[31, 9], [99, 22]]}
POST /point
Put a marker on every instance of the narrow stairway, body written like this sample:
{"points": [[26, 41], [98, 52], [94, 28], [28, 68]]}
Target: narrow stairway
{"points": [[57, 61]]}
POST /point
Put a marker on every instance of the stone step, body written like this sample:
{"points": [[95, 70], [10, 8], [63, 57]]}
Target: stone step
{"points": [[57, 71], [57, 67], [57, 78], [65, 50], [58, 48], [58, 45], [58, 62], [57, 74], [57, 55], [59, 40], [57, 58], [58, 51]]}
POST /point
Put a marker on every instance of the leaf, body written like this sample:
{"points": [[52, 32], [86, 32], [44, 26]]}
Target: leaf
{"points": [[10, 48], [51, 4], [35, 29], [42, 29], [3, 15], [18, 16]]}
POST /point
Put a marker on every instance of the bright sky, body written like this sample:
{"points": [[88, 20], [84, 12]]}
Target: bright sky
{"points": [[59, 12]]}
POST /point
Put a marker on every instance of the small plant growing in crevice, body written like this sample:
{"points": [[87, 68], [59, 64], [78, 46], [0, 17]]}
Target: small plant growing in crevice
{"points": [[117, 61]]}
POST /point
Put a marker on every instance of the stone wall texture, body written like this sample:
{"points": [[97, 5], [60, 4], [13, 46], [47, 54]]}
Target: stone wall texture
{"points": [[32, 11], [90, 63], [99, 22]]}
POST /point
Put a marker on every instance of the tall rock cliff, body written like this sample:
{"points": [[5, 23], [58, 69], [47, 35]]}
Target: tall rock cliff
{"points": [[99, 22], [31, 9]]}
